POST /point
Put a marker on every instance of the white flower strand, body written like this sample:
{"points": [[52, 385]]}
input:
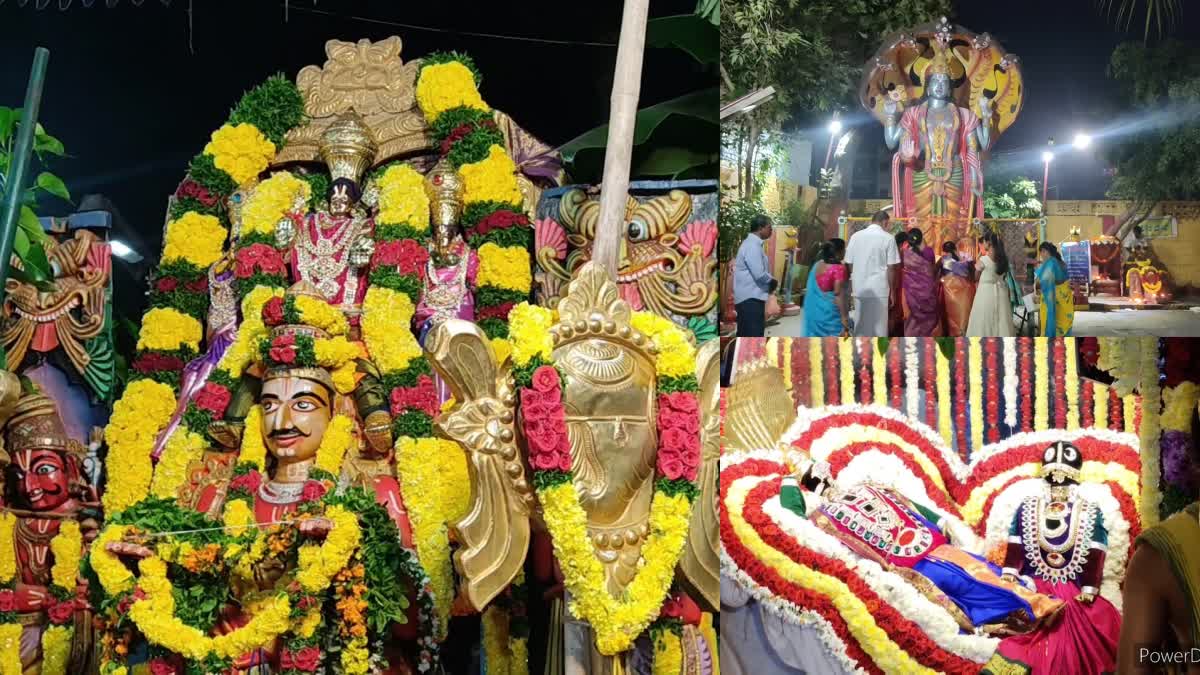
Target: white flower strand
{"points": [[912, 374], [1010, 383]]}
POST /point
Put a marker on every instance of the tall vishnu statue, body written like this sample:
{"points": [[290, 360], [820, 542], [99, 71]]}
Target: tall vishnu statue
{"points": [[943, 95]]}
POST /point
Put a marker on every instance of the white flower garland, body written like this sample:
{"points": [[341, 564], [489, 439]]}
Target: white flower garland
{"points": [[912, 374], [1010, 383]]}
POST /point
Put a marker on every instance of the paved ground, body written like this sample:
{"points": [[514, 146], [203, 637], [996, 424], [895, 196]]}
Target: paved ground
{"points": [[1161, 323]]}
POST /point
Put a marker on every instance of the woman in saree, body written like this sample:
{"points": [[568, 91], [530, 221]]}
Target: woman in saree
{"points": [[958, 289], [920, 299], [826, 305], [1057, 308], [991, 310]]}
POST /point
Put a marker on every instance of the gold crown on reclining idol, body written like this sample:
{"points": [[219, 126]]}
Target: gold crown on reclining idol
{"points": [[314, 373], [348, 147]]}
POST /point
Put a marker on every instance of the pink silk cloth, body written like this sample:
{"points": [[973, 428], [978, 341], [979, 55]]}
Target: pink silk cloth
{"points": [[1083, 640]]}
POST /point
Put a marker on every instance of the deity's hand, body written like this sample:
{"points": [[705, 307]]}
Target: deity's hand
{"points": [[1086, 597], [1010, 579], [985, 107], [890, 107], [125, 549], [316, 528], [30, 597]]}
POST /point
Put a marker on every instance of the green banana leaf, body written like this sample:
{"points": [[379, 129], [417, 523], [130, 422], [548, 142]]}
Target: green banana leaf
{"points": [[688, 32]]}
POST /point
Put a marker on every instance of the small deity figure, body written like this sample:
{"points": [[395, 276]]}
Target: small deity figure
{"points": [[936, 171], [332, 249], [450, 271], [913, 541], [1058, 539], [44, 488], [1146, 277]]}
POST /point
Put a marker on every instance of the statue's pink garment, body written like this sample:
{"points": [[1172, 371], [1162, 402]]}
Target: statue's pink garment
{"points": [[309, 223], [907, 159], [1082, 641]]}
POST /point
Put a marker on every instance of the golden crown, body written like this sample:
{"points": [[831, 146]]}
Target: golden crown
{"points": [[444, 187], [37, 424], [348, 147]]}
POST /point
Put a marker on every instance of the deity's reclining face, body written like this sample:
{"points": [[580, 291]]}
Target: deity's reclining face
{"points": [[343, 195], [939, 86], [42, 478], [296, 412]]}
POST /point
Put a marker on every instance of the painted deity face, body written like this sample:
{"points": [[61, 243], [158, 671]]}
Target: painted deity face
{"points": [[939, 87], [296, 412], [339, 200], [42, 478]]}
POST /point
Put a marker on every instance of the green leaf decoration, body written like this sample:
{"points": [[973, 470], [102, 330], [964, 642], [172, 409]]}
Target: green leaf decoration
{"points": [[688, 32], [882, 345], [702, 328], [54, 185]]}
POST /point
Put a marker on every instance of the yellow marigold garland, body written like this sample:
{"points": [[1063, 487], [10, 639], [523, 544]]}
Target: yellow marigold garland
{"points": [[183, 448], [195, 238], [402, 198], [436, 493], [504, 267], [338, 438], [166, 329], [385, 319], [114, 577], [318, 313], [10, 633], [879, 376], [495, 640], [491, 180], [272, 200], [8, 550], [846, 361], [241, 150], [446, 86], [502, 348], [676, 354], [67, 548], [356, 658], [244, 348], [137, 418], [1100, 406], [668, 651], [945, 420], [1178, 403], [529, 332], [10, 648], [254, 449], [616, 623], [1148, 434], [56, 649], [318, 563]]}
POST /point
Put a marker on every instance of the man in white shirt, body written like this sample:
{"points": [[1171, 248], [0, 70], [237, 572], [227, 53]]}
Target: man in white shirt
{"points": [[874, 263]]}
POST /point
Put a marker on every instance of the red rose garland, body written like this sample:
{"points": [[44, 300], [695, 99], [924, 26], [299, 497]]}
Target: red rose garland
{"points": [[960, 397], [993, 379], [545, 423], [832, 381], [801, 387], [1060, 384], [423, 397], [931, 402], [1025, 345], [864, 373], [1116, 411], [897, 379], [1087, 404]]}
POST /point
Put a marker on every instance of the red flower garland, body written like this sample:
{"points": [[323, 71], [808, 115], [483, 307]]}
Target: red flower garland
{"points": [[993, 379], [894, 361], [1060, 384], [960, 398], [832, 380], [678, 436], [423, 397], [931, 401], [864, 374], [801, 387], [258, 259], [1137, 416], [190, 188], [1116, 411], [214, 399], [1025, 345], [1087, 404], [406, 255], [495, 311], [150, 362], [499, 220], [544, 422]]}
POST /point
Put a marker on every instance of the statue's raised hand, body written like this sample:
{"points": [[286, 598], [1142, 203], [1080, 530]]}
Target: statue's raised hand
{"points": [[124, 549], [985, 107], [316, 528], [891, 107]]}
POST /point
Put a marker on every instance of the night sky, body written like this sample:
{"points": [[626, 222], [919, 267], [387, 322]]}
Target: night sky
{"points": [[132, 104]]}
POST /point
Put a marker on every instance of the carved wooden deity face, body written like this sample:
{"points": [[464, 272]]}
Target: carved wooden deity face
{"points": [[296, 412], [42, 478]]}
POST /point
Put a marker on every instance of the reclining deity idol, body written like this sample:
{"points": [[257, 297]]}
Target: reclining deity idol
{"points": [[912, 540]]}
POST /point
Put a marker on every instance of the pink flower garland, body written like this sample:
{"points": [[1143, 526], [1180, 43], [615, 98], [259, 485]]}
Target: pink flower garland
{"points": [[545, 423], [960, 397], [993, 389], [1026, 347]]}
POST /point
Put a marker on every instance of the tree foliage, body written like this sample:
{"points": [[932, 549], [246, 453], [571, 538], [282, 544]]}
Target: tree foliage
{"points": [[1018, 198], [27, 242], [1160, 15]]}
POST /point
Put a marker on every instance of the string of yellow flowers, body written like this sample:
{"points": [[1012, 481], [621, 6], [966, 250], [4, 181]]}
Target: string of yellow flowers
{"points": [[114, 577], [402, 197], [137, 418], [1178, 403], [787, 367], [183, 448], [168, 330], [1100, 405], [846, 357], [1072, 381], [676, 355], [1041, 384], [878, 375], [1129, 412], [318, 562], [815, 376], [710, 637], [10, 633], [254, 449], [945, 420], [1151, 448], [976, 378], [338, 438], [386, 315], [497, 658], [668, 653], [271, 200], [67, 549], [195, 238]]}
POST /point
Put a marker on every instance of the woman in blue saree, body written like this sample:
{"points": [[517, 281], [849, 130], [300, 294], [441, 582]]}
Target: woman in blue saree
{"points": [[826, 310], [1057, 308]]}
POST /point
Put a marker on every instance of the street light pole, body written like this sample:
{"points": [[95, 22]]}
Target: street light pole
{"points": [[17, 177]]}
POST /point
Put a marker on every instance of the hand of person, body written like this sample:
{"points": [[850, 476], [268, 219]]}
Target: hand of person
{"points": [[316, 528]]}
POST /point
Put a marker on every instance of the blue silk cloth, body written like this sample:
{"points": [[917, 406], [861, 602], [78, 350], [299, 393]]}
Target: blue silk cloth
{"points": [[983, 603]]}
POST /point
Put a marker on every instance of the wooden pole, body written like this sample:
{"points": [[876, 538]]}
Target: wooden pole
{"points": [[627, 85], [17, 175]]}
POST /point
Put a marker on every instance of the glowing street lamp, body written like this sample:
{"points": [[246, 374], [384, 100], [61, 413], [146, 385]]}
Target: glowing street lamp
{"points": [[1047, 156], [1082, 141], [835, 126]]}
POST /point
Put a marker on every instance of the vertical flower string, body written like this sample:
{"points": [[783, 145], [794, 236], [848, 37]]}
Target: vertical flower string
{"points": [[1060, 384], [833, 396], [1100, 401], [1041, 384], [960, 397], [930, 365], [975, 381], [944, 400], [1129, 413], [993, 389], [1072, 382], [785, 366], [878, 373], [816, 379], [846, 358], [1149, 431], [1116, 412], [894, 358], [864, 374], [801, 389], [912, 378], [1011, 378], [1026, 347], [1087, 404]]}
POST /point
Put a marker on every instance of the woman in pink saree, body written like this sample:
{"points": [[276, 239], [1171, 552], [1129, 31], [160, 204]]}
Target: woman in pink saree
{"points": [[921, 315]]}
